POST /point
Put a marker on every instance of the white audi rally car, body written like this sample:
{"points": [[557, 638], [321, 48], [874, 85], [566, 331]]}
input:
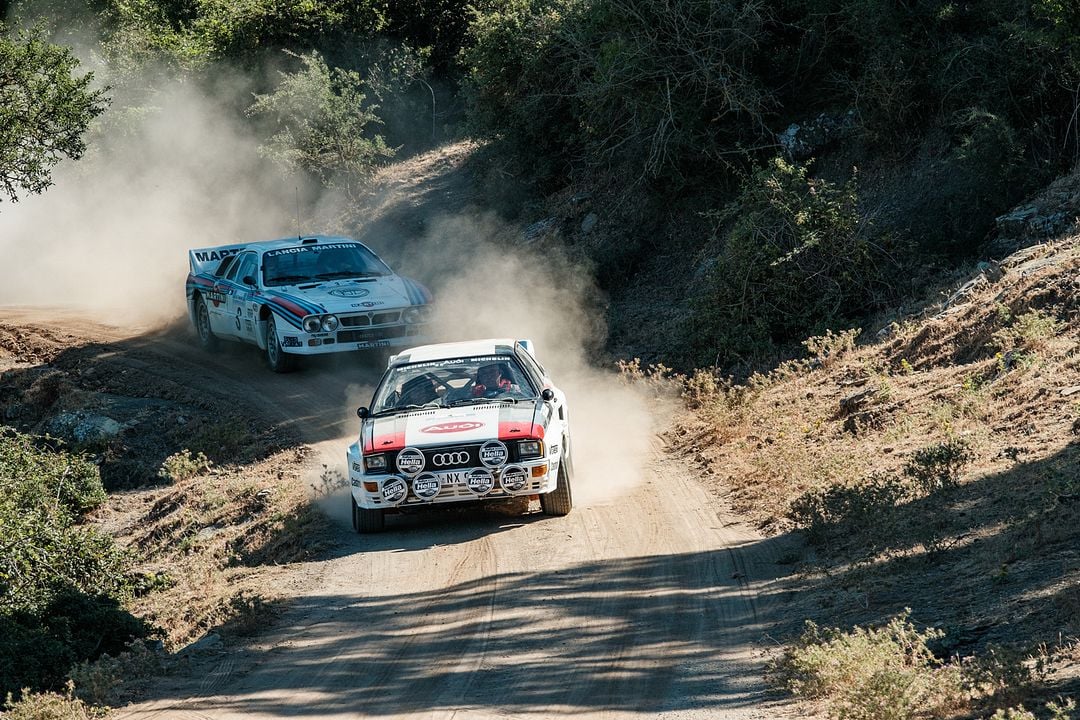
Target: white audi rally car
{"points": [[461, 422], [303, 296]]}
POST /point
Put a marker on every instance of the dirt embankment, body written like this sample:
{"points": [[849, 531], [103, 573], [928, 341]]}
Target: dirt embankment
{"points": [[935, 466]]}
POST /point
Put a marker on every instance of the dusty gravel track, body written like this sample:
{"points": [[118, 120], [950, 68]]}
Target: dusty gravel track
{"points": [[654, 606]]}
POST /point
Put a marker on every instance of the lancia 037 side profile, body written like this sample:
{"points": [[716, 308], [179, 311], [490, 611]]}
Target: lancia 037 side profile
{"points": [[461, 422], [303, 296]]}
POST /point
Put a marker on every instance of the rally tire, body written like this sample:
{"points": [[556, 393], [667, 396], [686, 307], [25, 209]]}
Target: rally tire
{"points": [[278, 360], [208, 341], [365, 520], [559, 501]]}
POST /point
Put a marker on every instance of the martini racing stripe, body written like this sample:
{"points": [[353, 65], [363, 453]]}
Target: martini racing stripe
{"points": [[418, 294], [297, 305]]}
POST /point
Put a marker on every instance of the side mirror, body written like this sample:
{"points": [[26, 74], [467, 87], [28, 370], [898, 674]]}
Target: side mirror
{"points": [[547, 394], [362, 412], [248, 280]]}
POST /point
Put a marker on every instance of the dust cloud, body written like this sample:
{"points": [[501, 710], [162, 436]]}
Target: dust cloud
{"points": [[488, 284], [111, 236]]}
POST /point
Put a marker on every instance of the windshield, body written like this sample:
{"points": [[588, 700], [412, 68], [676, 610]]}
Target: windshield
{"points": [[320, 263], [454, 382]]}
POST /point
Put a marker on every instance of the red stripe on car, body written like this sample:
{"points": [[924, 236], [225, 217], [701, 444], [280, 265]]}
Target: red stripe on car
{"points": [[520, 431]]}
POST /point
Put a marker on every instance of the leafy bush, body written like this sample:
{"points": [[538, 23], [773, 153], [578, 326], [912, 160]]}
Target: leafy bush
{"points": [[824, 514], [939, 466], [656, 86], [797, 257], [1029, 332], [322, 123], [183, 466], [49, 706], [885, 673], [60, 583]]}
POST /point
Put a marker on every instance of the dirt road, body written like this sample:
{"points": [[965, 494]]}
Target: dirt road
{"points": [[655, 605]]}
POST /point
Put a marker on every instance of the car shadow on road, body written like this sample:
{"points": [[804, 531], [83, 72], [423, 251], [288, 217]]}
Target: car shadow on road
{"points": [[653, 634]]}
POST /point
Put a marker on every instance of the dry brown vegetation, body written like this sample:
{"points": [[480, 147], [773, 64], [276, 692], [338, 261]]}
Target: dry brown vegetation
{"points": [[935, 466]]}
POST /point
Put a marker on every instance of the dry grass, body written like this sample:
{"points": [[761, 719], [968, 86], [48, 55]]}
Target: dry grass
{"points": [[943, 461], [212, 545]]}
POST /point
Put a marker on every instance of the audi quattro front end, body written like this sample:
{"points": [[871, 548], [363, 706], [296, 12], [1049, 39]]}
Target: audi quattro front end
{"points": [[440, 474], [455, 423]]}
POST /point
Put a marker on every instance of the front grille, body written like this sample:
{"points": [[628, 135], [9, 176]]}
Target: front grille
{"points": [[384, 318], [354, 320], [384, 333], [449, 458]]}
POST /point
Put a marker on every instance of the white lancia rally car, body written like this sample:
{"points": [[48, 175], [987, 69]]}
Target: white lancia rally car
{"points": [[459, 422], [303, 296]]}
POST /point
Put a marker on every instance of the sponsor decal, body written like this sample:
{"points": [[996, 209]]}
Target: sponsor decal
{"points": [[215, 255], [307, 248], [451, 427], [493, 454], [410, 461], [514, 478], [350, 292], [394, 490], [426, 486], [372, 344], [290, 341], [554, 450], [480, 481], [357, 467], [449, 459], [355, 482]]}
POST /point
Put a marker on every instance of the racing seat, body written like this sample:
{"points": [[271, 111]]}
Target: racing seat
{"points": [[418, 391]]}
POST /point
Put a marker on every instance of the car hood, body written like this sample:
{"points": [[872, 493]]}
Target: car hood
{"points": [[341, 296], [449, 426]]}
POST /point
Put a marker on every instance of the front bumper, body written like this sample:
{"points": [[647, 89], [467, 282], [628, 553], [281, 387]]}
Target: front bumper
{"points": [[298, 342], [541, 476]]}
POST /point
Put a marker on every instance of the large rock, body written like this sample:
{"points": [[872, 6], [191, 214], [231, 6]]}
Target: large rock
{"points": [[801, 141], [84, 427]]}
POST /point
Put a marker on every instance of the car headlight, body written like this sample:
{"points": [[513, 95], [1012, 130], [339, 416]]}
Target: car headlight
{"points": [[312, 324], [416, 313], [530, 448], [329, 323], [375, 462]]}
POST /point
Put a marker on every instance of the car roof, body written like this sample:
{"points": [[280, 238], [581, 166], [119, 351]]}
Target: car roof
{"points": [[306, 240], [441, 351]]}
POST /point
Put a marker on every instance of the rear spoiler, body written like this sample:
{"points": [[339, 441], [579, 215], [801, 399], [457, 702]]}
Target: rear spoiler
{"points": [[207, 260]]}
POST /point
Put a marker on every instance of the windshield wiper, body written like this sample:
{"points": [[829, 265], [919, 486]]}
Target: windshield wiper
{"points": [[336, 275], [406, 408], [286, 279], [480, 401]]}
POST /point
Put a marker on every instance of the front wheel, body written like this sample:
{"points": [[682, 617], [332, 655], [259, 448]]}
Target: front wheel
{"points": [[365, 520], [207, 339], [279, 360], [559, 501]]}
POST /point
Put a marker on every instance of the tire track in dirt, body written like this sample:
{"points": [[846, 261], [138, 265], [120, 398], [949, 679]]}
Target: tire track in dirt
{"points": [[651, 606]]}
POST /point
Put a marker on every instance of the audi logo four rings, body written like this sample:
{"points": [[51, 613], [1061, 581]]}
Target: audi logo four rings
{"points": [[446, 459]]}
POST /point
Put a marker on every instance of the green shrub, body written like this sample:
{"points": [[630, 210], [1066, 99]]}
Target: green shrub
{"points": [[938, 467], [49, 706], [322, 123], [1029, 332], [861, 508], [795, 256], [29, 476], [183, 466], [60, 582], [885, 673]]}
